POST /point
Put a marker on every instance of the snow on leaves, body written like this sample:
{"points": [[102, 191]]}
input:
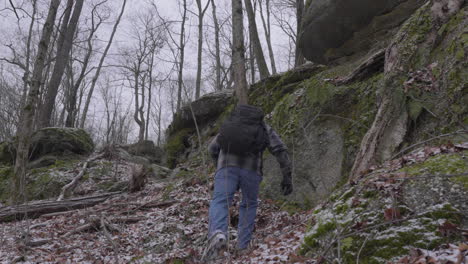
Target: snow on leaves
{"points": [[164, 223]]}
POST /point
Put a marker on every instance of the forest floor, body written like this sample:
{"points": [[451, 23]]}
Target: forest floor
{"points": [[167, 223]]}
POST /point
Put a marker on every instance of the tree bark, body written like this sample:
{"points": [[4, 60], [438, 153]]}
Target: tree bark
{"points": [[201, 14], [217, 48], [98, 69], [63, 54], [238, 52], [28, 55], [35, 210], [262, 66], [267, 28], [299, 58], [71, 102], [25, 126], [181, 58]]}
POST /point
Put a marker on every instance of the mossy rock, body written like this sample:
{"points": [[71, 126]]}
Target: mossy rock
{"points": [[60, 141], [7, 153], [147, 149], [176, 146], [6, 175]]}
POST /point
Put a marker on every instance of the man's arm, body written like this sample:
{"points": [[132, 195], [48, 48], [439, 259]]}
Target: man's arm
{"points": [[214, 149], [280, 151]]}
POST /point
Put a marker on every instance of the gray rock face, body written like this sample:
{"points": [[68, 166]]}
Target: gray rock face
{"points": [[336, 28], [59, 141], [205, 109], [51, 141], [147, 149], [317, 159]]}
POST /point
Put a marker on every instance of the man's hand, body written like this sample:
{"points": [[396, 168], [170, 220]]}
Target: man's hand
{"points": [[286, 186]]}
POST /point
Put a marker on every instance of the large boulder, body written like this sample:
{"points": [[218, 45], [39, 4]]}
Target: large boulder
{"points": [[60, 141], [147, 149], [51, 142], [207, 108], [338, 28], [7, 152]]}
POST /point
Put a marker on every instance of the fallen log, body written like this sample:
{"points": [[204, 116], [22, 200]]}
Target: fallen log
{"points": [[34, 210]]}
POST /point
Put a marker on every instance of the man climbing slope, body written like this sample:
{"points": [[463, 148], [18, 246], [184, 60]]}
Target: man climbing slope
{"points": [[237, 152]]}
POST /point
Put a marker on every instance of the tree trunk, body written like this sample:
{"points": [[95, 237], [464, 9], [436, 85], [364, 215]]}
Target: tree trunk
{"points": [[63, 54], [35, 210], [262, 66], [299, 58], [217, 48], [28, 55], [25, 126], [98, 69], [251, 61], [267, 28], [72, 100], [181, 59], [201, 14], [238, 52]]}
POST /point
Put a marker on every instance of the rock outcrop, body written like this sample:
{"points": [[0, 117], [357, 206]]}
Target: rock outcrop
{"points": [[49, 143], [146, 149], [338, 28]]}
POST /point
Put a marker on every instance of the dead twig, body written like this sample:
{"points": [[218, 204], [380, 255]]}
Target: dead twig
{"points": [[67, 189], [460, 132]]}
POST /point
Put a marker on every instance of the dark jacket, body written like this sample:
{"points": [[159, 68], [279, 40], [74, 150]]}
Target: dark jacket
{"points": [[253, 161]]}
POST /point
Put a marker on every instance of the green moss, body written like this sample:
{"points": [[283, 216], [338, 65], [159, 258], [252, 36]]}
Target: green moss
{"points": [[463, 180], [348, 194], [341, 209], [175, 146], [6, 176], [167, 192], [42, 186], [441, 164]]}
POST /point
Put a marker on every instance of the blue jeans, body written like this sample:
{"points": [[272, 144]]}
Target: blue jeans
{"points": [[227, 182]]}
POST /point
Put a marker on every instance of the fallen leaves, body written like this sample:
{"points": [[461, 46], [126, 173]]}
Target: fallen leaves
{"points": [[446, 254]]}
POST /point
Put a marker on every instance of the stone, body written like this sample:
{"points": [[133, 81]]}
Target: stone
{"points": [[60, 141], [317, 161], [207, 108], [51, 142], [338, 28], [146, 149], [7, 152]]}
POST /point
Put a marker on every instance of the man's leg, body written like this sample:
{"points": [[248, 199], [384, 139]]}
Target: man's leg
{"points": [[226, 184], [249, 185]]}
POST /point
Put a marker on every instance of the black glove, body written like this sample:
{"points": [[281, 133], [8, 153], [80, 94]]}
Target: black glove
{"points": [[286, 186]]}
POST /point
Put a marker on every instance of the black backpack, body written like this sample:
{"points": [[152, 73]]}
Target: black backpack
{"points": [[244, 131]]}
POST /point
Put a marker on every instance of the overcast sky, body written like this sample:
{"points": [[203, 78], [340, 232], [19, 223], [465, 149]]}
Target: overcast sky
{"points": [[169, 9]]}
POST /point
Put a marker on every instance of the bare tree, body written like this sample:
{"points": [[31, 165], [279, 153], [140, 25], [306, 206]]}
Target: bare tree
{"points": [[71, 103], [267, 28], [181, 48], [299, 59], [257, 47], [99, 67], [63, 52], [201, 14], [25, 127], [238, 52], [218, 86]]}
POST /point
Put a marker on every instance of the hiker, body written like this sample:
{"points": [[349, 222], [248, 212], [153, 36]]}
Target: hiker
{"points": [[237, 152]]}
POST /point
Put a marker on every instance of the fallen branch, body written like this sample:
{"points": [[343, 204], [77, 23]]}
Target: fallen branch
{"points": [[428, 140], [67, 189], [34, 210], [95, 224]]}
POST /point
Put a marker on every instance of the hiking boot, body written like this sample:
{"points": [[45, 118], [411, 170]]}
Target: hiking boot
{"points": [[217, 242]]}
